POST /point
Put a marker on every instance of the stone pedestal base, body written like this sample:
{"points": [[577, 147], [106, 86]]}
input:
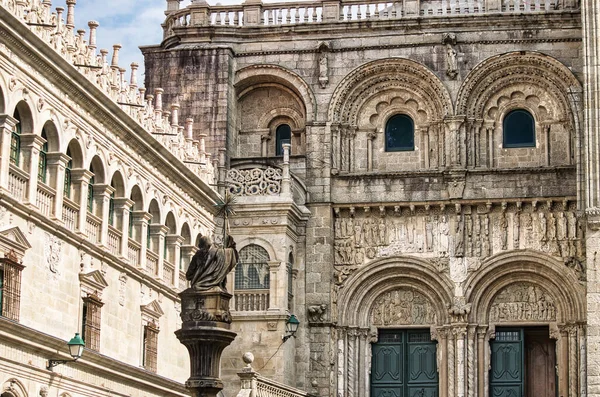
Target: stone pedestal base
{"points": [[205, 333]]}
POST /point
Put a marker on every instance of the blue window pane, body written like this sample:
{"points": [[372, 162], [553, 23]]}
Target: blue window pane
{"points": [[283, 135], [399, 134], [518, 129]]}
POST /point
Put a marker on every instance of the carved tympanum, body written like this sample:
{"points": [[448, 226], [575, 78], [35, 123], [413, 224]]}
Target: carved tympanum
{"points": [[402, 307], [523, 302]]}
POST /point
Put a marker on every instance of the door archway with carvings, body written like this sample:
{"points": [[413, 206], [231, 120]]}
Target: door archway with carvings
{"points": [[531, 307], [402, 296]]}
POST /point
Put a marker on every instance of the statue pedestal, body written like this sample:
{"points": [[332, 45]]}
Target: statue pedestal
{"points": [[205, 332]]}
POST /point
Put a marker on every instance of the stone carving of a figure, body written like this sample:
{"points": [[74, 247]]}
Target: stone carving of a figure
{"points": [[211, 264]]}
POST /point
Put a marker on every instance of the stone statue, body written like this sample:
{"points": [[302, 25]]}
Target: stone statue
{"points": [[211, 264]]}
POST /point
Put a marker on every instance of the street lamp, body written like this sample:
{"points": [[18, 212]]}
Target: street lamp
{"points": [[76, 345], [291, 326]]}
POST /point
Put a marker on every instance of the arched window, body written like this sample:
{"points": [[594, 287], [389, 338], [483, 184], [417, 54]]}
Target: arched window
{"points": [[15, 140], [518, 129], [111, 209], [42, 164], [399, 134], [252, 271], [283, 134]]}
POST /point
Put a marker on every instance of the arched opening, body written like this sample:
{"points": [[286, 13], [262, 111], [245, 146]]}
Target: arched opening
{"points": [[283, 135], [118, 184], [399, 134], [170, 248], [252, 281], [135, 217], [24, 125], [42, 161], [518, 129]]}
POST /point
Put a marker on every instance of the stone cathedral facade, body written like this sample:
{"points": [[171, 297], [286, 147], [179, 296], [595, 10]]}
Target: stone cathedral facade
{"points": [[417, 182]]}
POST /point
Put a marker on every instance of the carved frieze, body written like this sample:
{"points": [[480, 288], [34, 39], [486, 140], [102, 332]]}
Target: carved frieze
{"points": [[402, 307], [522, 302], [440, 231], [254, 182]]}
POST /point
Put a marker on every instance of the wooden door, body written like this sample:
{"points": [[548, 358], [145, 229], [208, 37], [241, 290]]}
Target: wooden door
{"points": [[506, 374], [540, 361], [404, 364]]}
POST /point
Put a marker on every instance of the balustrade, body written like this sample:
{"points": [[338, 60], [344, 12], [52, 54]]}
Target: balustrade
{"points": [[70, 214], [114, 241], [134, 250], [17, 183], [45, 199], [152, 263], [92, 228], [273, 14], [168, 273], [183, 283], [252, 300]]}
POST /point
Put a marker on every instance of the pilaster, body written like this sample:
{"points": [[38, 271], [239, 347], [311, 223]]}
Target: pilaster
{"points": [[31, 144], [57, 163], [7, 126]]}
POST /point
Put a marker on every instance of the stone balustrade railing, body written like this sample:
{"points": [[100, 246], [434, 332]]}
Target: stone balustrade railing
{"points": [[252, 13], [255, 385], [148, 110]]}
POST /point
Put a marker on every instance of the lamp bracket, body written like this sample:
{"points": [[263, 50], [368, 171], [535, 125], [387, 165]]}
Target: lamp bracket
{"points": [[54, 363]]}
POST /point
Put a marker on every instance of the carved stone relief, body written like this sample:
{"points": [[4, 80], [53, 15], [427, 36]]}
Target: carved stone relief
{"points": [[473, 231], [402, 307], [522, 302], [52, 252]]}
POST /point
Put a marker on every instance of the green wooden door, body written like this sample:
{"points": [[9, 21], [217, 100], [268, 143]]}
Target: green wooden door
{"points": [[404, 364], [506, 374]]}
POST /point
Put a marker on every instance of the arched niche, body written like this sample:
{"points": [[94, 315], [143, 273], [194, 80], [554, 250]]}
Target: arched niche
{"points": [[268, 96], [520, 275], [385, 278], [532, 81], [13, 388], [369, 96]]}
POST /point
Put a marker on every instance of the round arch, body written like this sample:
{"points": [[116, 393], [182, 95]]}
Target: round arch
{"points": [[137, 197], [118, 182], [386, 275], [259, 74], [97, 165], [75, 151], [13, 388], [186, 234], [534, 271], [369, 79], [25, 117], [514, 67], [171, 223], [154, 210], [258, 241], [52, 135], [2, 98]]}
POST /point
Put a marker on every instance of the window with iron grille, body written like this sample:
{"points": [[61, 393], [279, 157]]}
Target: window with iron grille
{"points": [[10, 287], [42, 164], [150, 352], [91, 320], [252, 271]]}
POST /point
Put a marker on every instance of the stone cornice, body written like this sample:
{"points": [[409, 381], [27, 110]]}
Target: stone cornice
{"points": [[25, 44], [27, 339]]}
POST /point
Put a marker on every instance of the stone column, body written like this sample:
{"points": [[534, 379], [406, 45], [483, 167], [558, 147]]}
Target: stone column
{"points": [[335, 149], [276, 297], [363, 351], [441, 336], [123, 207], [102, 194], [352, 361], [573, 362], [264, 147], [7, 126], [424, 134], [140, 232], [158, 234], [460, 333], [57, 163], [451, 364], [481, 361], [370, 138], [286, 190], [31, 144], [174, 245], [80, 180], [351, 154], [342, 371], [471, 360]]}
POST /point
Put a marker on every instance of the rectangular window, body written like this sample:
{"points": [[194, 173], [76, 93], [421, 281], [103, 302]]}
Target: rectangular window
{"points": [[150, 350], [67, 187], [10, 288], [91, 320], [15, 148]]}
